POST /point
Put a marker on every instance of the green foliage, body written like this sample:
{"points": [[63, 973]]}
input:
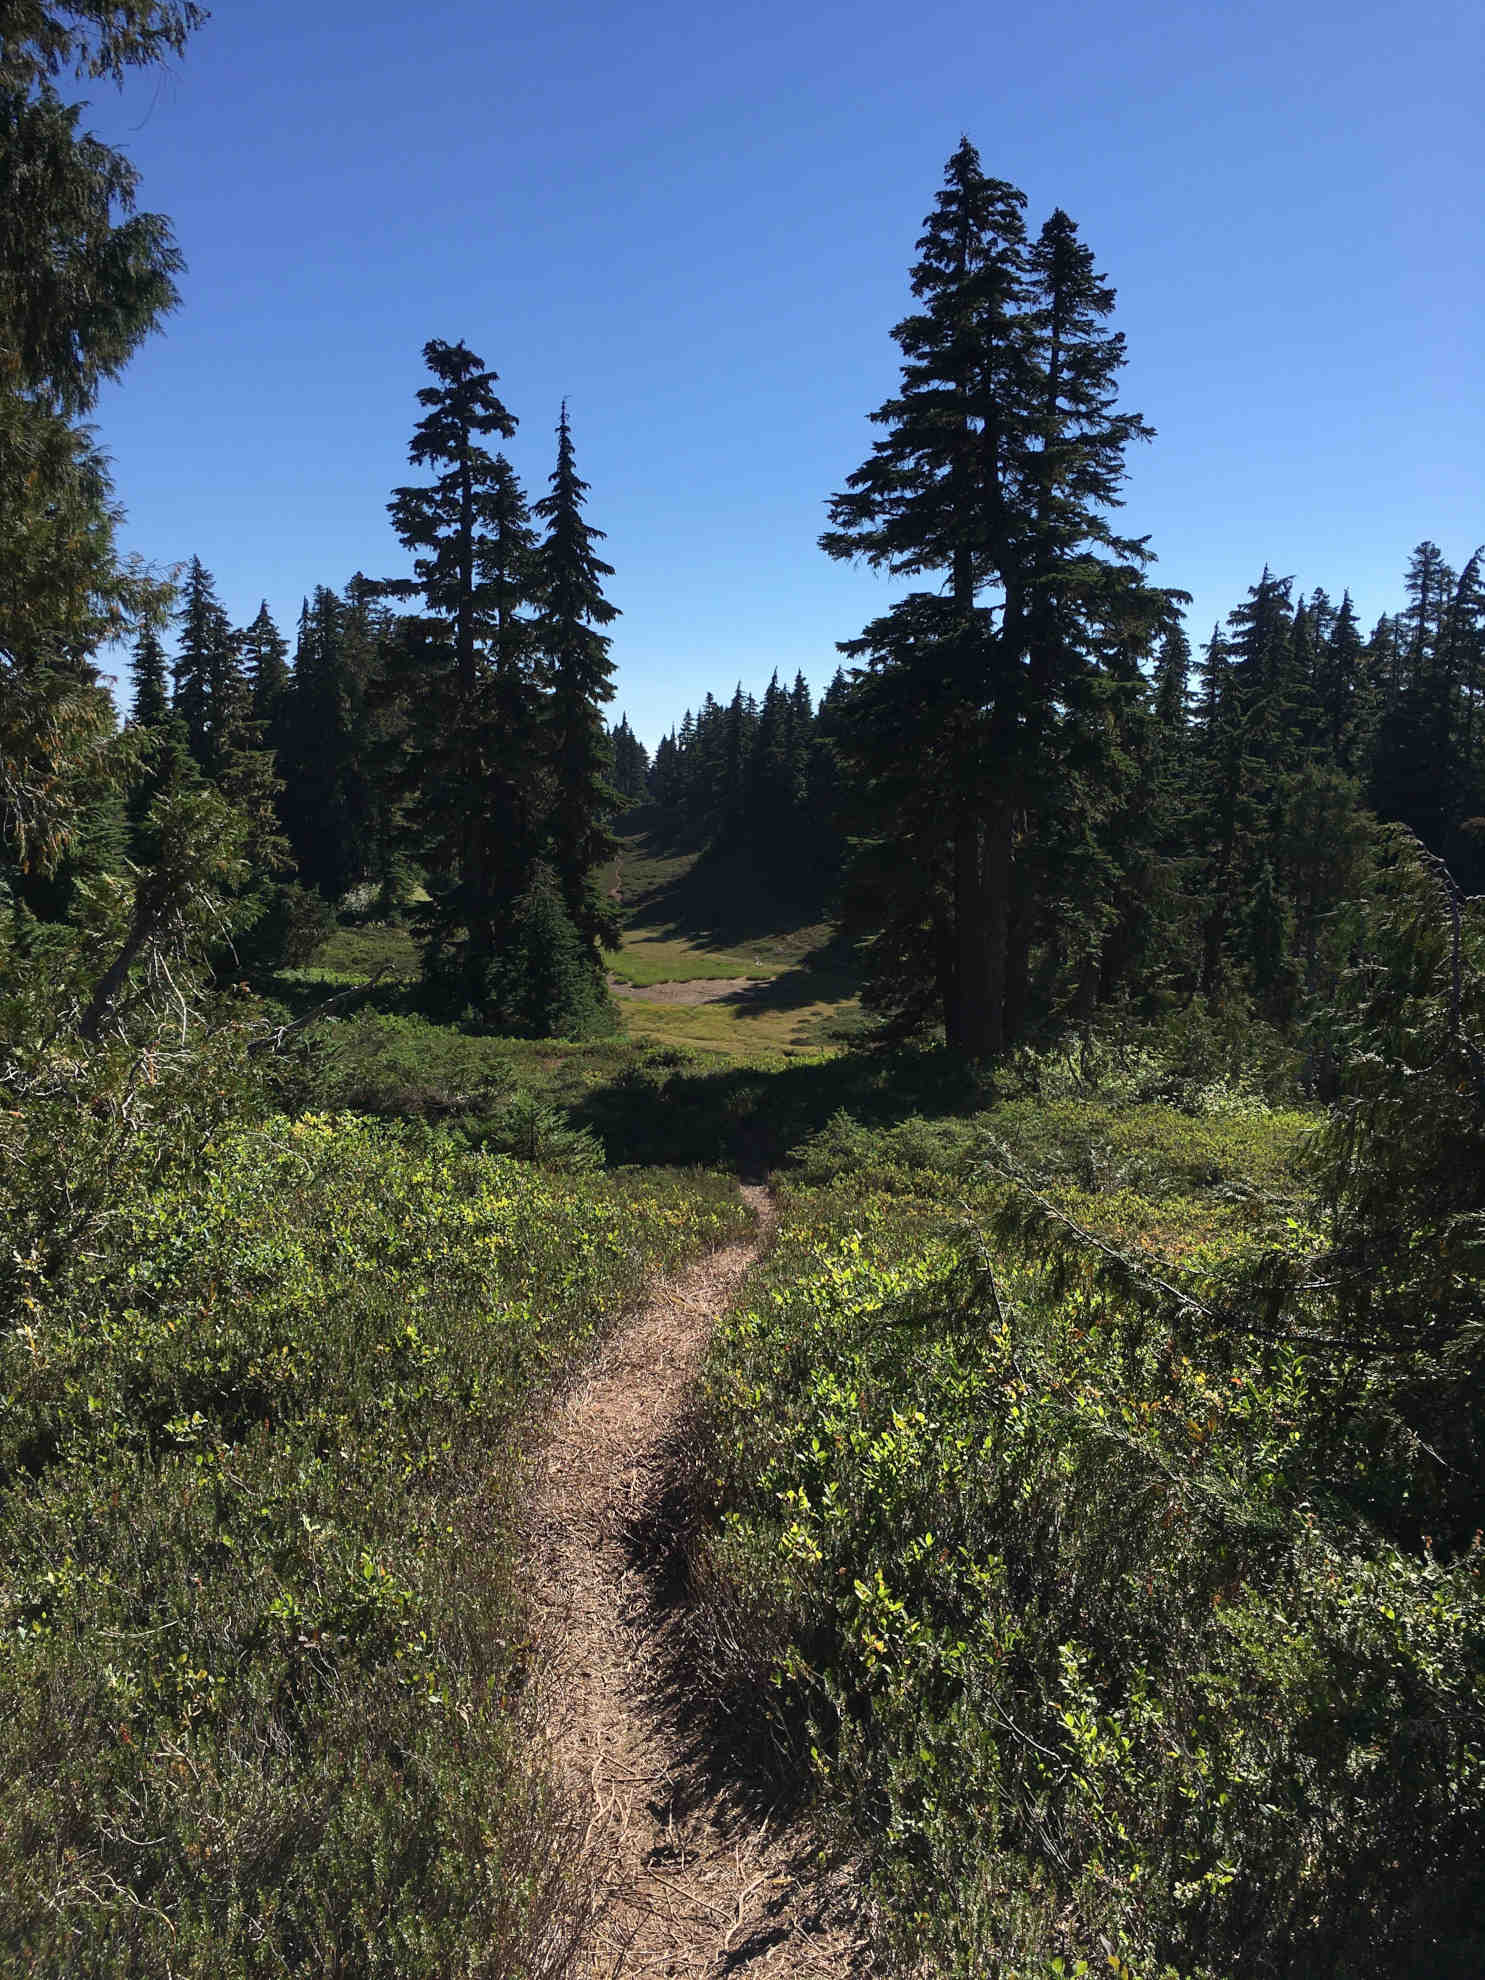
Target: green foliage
{"points": [[544, 981], [261, 1662], [290, 931], [575, 653], [1057, 1583], [356, 951], [83, 277], [986, 722]]}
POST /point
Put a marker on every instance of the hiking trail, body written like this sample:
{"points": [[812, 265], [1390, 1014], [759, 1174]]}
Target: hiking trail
{"points": [[691, 1874]]}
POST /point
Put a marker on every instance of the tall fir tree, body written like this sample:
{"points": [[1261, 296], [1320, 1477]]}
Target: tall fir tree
{"points": [[149, 707], [579, 675], [467, 681], [208, 671], [982, 713]]}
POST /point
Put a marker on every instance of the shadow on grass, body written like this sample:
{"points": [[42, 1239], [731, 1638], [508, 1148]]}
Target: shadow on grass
{"points": [[793, 990], [723, 900], [748, 1118]]}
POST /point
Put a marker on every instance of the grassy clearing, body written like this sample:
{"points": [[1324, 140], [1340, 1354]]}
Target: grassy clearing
{"points": [[1057, 1589], [261, 1656], [647, 959], [673, 891], [790, 1015], [355, 952]]}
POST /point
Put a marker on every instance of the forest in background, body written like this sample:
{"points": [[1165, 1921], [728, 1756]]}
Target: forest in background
{"points": [[1089, 1486]]}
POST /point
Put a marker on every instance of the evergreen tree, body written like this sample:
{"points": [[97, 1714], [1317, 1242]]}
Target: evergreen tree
{"points": [[150, 706], [665, 774], [1002, 454], [1342, 690], [466, 675], [265, 660], [1224, 808], [774, 794], [579, 672], [321, 752], [631, 763], [208, 671], [1418, 772]]}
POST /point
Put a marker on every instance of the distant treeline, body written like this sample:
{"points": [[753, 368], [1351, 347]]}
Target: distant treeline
{"points": [[1249, 773], [1243, 782]]}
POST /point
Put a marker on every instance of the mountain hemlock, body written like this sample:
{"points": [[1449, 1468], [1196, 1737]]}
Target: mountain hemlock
{"points": [[578, 678], [501, 681], [984, 719]]}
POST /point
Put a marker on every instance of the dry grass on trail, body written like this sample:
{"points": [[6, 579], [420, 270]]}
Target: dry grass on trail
{"points": [[692, 1872]]}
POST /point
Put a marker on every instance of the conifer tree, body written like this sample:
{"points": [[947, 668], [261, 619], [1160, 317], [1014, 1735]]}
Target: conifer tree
{"points": [[665, 774], [321, 734], [150, 706], [579, 673], [265, 660], [1002, 454], [1341, 689], [466, 677], [631, 763], [208, 670]]}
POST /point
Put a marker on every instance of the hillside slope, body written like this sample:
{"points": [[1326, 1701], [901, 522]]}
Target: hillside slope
{"points": [[713, 957]]}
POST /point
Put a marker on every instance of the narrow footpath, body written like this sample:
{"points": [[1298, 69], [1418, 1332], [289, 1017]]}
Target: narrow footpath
{"points": [[691, 1875]]}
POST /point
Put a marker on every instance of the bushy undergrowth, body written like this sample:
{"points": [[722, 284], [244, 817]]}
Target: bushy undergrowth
{"points": [[1092, 1649], [260, 1660]]}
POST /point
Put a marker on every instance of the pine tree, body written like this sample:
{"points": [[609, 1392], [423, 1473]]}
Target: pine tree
{"points": [[579, 672], [467, 676], [208, 670], [150, 707], [1002, 454]]}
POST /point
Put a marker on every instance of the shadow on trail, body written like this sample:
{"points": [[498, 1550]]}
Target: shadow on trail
{"points": [[738, 1745], [747, 1119]]}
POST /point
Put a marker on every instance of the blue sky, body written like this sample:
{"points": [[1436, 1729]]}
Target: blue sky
{"points": [[696, 224]]}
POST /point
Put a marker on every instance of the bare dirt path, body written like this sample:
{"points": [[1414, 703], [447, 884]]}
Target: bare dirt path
{"points": [[694, 1875], [703, 990]]}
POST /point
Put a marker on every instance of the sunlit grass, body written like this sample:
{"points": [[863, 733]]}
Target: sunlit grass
{"points": [[647, 959], [739, 1029]]}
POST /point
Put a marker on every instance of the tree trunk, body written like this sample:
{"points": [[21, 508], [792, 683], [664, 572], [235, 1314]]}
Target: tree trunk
{"points": [[149, 912], [946, 975], [1018, 972], [982, 866]]}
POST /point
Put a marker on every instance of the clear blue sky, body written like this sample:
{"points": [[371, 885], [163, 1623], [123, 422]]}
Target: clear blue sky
{"points": [[696, 224]]}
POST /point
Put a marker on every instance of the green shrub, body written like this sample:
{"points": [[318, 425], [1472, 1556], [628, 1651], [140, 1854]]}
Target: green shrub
{"points": [[1093, 1660], [261, 1663]]}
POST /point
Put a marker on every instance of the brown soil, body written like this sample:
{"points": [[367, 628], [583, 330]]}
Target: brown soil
{"points": [[694, 1872], [705, 990]]}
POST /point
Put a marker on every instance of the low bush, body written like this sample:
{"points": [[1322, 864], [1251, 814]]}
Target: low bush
{"points": [[260, 1660], [1067, 1594]]}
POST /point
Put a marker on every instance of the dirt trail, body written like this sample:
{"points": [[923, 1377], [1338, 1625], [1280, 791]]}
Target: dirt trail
{"points": [[692, 1875], [703, 990]]}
